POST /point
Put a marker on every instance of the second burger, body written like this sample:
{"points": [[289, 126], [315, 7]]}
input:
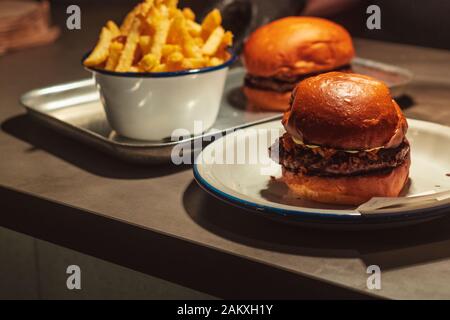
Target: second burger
{"points": [[282, 53]]}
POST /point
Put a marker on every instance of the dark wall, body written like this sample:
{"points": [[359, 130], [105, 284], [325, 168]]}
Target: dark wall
{"points": [[418, 22]]}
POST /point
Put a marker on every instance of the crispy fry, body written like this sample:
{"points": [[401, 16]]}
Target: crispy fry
{"points": [[172, 3], [160, 68], [192, 50], [189, 14], [211, 22], [212, 44], [199, 42], [223, 55], [214, 61], [169, 48], [160, 37], [227, 40], [122, 39], [145, 44], [194, 28], [114, 54], [148, 62], [192, 63], [138, 55], [174, 61], [175, 32], [175, 57], [101, 50], [144, 8], [112, 26], [173, 12], [127, 56], [163, 11]]}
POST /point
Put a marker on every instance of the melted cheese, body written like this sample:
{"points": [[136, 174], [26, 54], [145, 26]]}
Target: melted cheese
{"points": [[313, 146]]}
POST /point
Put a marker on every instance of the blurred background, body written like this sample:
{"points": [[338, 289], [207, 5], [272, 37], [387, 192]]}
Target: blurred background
{"points": [[416, 22]]}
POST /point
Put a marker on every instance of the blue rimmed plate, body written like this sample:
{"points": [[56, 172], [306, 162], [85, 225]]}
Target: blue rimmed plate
{"points": [[241, 173]]}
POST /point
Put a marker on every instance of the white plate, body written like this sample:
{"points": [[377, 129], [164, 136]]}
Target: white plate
{"points": [[249, 184]]}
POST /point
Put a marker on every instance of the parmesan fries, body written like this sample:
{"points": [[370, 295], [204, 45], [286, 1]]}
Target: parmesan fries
{"points": [[156, 36]]}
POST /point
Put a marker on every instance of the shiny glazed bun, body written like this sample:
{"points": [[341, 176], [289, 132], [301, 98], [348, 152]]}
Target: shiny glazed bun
{"points": [[297, 45], [345, 111], [349, 190]]}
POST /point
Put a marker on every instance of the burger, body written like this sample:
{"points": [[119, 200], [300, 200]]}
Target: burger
{"points": [[280, 54], [345, 140]]}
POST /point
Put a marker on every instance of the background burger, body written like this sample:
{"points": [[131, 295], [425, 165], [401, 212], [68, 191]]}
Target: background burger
{"points": [[280, 54], [345, 141]]}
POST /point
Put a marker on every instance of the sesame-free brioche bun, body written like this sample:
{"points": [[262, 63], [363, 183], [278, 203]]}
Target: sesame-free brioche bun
{"points": [[345, 111], [348, 190], [267, 100], [297, 45]]}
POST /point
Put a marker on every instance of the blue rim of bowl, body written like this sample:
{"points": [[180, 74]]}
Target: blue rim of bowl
{"points": [[315, 217], [180, 73]]}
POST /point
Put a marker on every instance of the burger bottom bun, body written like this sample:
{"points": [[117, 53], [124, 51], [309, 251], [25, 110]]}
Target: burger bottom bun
{"points": [[267, 100], [352, 190]]}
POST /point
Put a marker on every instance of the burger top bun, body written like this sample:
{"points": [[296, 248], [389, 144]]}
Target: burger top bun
{"points": [[297, 45], [345, 111]]}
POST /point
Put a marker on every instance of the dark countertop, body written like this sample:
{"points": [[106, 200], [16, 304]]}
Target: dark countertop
{"points": [[158, 221]]}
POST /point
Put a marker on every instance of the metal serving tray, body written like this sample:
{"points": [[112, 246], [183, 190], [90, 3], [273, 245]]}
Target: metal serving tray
{"points": [[74, 109]]}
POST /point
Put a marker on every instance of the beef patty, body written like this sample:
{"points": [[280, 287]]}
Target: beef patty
{"points": [[322, 161], [283, 84]]}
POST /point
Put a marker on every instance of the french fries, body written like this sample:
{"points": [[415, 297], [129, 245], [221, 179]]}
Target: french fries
{"points": [[148, 62], [114, 54], [192, 63], [162, 27], [211, 22], [215, 62], [127, 56], [169, 49], [189, 14], [156, 36], [101, 50], [212, 44], [194, 28], [144, 8], [112, 26], [144, 44]]}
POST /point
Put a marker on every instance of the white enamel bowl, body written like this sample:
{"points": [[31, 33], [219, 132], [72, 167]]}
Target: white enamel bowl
{"points": [[150, 106], [249, 184]]}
